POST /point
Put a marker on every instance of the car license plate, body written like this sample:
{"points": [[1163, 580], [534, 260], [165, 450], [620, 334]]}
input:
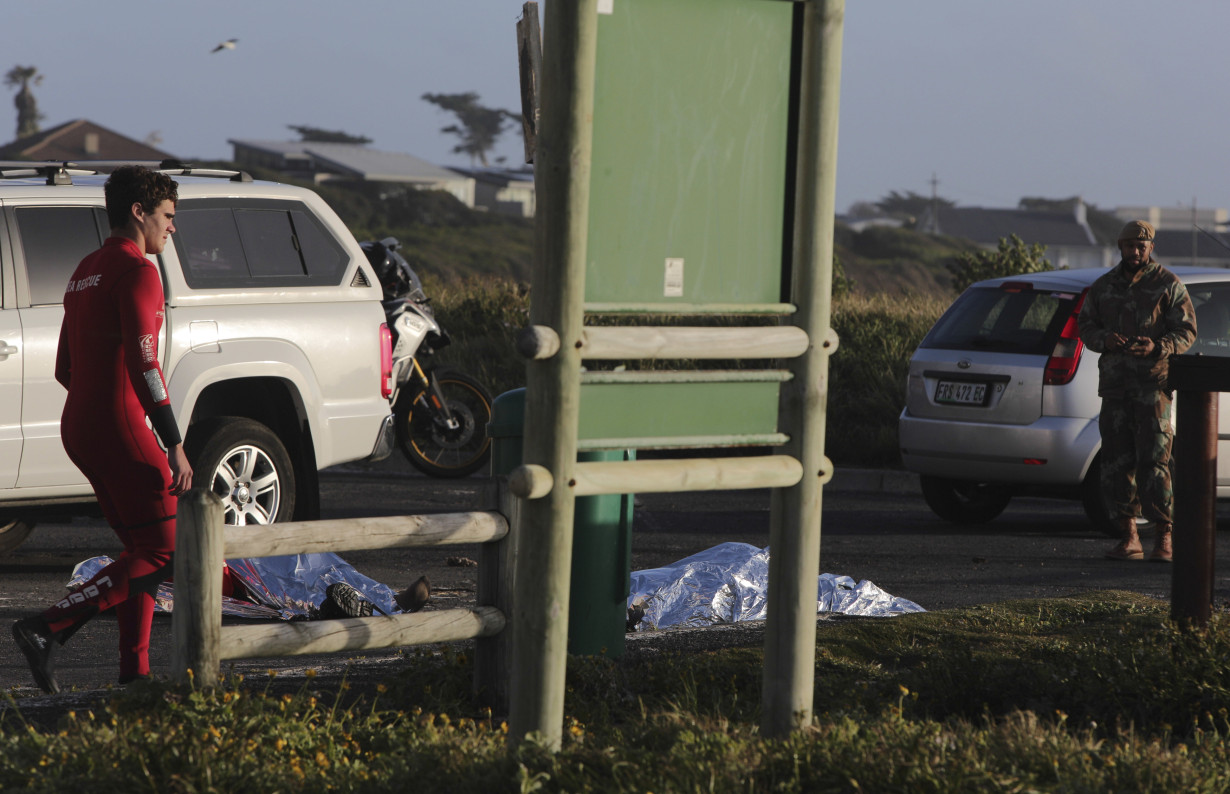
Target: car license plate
{"points": [[958, 393]]}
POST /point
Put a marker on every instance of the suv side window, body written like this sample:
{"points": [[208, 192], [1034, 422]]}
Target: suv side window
{"points": [[224, 243], [54, 241]]}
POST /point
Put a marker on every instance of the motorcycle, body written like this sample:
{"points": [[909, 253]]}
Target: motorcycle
{"points": [[441, 415]]}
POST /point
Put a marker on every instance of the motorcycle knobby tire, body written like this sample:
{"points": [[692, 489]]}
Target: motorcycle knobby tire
{"points": [[426, 441]]}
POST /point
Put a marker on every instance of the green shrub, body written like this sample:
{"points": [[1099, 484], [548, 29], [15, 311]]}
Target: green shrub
{"points": [[887, 242], [1012, 258], [482, 316], [867, 375], [1097, 692], [877, 335]]}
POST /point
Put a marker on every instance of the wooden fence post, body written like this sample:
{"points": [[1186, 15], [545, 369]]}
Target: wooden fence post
{"points": [[553, 386], [794, 533], [493, 655], [196, 621]]}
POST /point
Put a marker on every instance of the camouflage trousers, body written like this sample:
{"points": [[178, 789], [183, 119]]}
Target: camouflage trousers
{"points": [[1136, 441]]}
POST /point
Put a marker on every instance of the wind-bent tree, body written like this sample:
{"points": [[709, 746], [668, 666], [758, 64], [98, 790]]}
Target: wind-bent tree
{"points": [[477, 127], [1012, 258], [911, 204], [317, 135], [28, 116]]}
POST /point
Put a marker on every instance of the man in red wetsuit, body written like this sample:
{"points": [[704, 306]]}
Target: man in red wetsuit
{"points": [[108, 361]]}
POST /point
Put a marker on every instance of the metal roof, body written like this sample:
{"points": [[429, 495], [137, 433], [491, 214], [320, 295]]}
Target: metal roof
{"points": [[355, 160], [988, 226]]}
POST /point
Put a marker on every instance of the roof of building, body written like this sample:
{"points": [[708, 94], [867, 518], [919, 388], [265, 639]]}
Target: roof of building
{"points": [[495, 175], [989, 226], [356, 160], [67, 142]]}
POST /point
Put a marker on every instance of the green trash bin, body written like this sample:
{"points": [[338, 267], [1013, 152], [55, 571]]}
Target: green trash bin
{"points": [[601, 574]]}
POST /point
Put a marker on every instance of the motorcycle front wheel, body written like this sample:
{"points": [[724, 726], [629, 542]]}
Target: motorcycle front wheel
{"points": [[426, 439]]}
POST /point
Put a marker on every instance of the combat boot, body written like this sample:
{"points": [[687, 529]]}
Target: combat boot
{"points": [[1129, 548], [1163, 548]]}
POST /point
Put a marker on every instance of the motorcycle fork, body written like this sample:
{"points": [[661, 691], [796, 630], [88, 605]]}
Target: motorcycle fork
{"points": [[433, 399]]}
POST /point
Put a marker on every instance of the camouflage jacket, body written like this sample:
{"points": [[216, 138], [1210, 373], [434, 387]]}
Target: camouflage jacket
{"points": [[1153, 303]]}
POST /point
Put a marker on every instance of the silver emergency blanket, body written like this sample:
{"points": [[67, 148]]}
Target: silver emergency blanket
{"points": [[284, 587], [729, 583], [723, 584]]}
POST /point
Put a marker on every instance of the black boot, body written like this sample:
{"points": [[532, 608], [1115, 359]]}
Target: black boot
{"points": [[38, 644]]}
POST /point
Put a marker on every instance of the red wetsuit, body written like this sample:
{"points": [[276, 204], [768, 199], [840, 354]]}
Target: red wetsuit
{"points": [[108, 361]]}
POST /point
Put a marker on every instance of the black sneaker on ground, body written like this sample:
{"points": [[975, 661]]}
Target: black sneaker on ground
{"points": [[37, 643]]}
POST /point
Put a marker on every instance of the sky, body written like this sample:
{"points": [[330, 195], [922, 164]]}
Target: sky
{"points": [[1118, 101]]}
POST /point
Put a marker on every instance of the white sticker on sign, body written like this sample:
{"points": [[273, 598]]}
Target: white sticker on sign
{"points": [[674, 278], [606, 6]]}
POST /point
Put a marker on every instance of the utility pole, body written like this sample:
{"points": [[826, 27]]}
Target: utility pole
{"points": [[935, 205], [1194, 238]]}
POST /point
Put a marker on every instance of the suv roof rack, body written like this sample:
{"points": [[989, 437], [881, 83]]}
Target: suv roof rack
{"points": [[62, 172], [187, 169], [56, 173]]}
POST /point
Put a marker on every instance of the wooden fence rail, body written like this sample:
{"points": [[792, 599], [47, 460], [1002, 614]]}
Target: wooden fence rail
{"points": [[201, 642]]}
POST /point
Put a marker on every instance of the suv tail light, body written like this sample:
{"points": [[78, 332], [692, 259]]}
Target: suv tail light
{"points": [[386, 361], [1066, 357]]}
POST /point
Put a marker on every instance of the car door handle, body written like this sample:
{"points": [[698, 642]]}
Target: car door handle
{"points": [[6, 349]]}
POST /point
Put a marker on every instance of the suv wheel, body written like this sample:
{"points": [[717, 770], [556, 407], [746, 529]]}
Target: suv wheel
{"points": [[12, 532], [247, 466], [964, 502]]}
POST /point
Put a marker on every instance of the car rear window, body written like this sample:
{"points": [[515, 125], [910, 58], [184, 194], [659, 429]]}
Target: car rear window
{"points": [[1003, 320], [226, 243]]}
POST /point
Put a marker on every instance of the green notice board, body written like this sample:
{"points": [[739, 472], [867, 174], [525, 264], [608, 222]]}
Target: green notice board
{"points": [[688, 180], [673, 412]]}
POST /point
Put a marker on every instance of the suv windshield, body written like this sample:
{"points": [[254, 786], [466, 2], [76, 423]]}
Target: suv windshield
{"points": [[1004, 319]]}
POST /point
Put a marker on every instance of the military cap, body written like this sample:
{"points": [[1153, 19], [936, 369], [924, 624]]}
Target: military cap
{"points": [[1137, 230]]}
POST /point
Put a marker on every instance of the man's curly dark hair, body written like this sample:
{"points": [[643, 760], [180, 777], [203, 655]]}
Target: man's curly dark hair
{"points": [[135, 184]]}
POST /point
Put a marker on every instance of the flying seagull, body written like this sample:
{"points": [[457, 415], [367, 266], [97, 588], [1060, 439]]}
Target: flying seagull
{"points": [[229, 44]]}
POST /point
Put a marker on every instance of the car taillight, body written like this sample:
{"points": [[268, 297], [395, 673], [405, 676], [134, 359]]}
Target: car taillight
{"points": [[386, 361], [1066, 357]]}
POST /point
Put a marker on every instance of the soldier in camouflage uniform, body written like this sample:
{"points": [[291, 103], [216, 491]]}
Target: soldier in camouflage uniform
{"points": [[1137, 315]]}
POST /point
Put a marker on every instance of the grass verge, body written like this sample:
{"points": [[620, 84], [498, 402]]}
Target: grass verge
{"points": [[1092, 693]]}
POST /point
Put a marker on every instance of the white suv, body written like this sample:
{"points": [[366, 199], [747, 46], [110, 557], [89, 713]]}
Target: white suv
{"points": [[273, 346], [1002, 398]]}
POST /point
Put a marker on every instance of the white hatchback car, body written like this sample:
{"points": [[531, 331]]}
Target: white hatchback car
{"points": [[1002, 398]]}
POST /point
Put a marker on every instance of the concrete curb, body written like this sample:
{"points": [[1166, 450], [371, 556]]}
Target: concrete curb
{"points": [[874, 481]]}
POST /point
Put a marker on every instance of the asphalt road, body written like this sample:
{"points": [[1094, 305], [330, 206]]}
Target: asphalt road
{"points": [[874, 528]]}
